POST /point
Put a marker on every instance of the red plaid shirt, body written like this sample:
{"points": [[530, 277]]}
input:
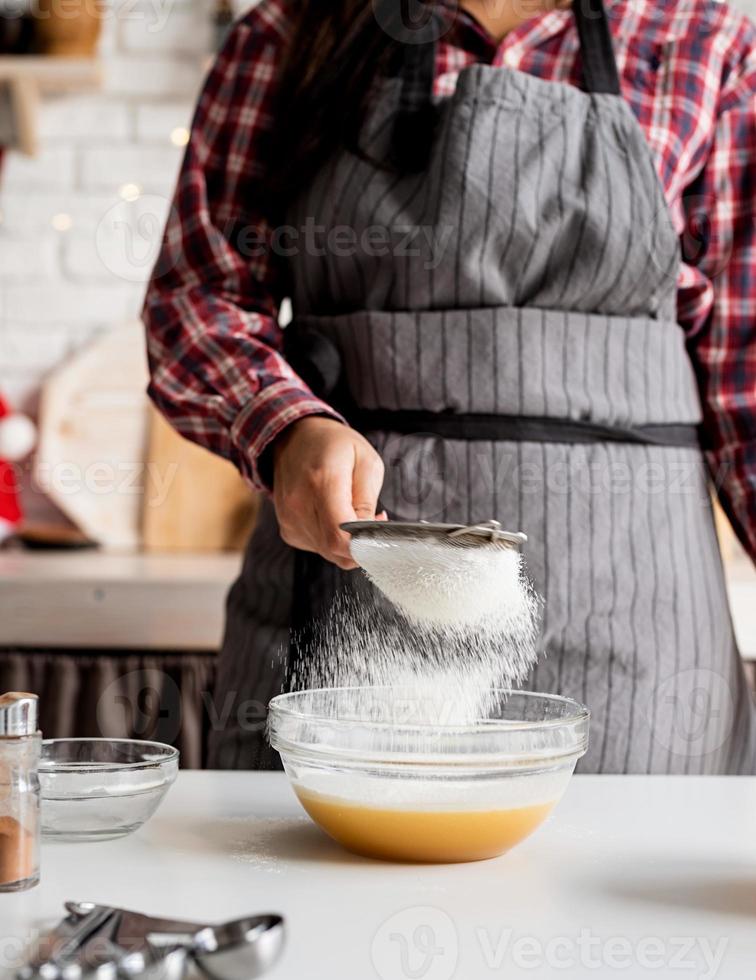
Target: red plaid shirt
{"points": [[688, 70]]}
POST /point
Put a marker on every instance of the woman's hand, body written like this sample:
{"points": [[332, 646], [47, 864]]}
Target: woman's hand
{"points": [[324, 474]]}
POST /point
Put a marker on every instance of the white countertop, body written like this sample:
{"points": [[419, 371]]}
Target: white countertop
{"points": [[632, 876], [112, 600]]}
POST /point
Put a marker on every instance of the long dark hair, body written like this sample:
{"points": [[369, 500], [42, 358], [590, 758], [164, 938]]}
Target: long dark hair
{"points": [[337, 50]]}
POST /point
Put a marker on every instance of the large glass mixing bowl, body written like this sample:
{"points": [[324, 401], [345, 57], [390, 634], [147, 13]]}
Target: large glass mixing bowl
{"points": [[390, 774]]}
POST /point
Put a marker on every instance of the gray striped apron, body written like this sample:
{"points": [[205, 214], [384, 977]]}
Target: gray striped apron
{"points": [[504, 326]]}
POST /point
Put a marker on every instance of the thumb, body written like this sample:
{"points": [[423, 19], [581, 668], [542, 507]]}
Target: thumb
{"points": [[367, 481]]}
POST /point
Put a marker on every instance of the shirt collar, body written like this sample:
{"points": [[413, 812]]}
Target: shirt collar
{"points": [[469, 34]]}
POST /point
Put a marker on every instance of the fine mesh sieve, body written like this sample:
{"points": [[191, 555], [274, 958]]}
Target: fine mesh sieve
{"points": [[463, 534], [442, 573]]}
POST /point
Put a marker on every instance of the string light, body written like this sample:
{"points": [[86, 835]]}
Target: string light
{"points": [[130, 192], [180, 136], [61, 221]]}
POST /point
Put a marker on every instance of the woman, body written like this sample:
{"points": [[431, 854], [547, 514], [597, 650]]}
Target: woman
{"points": [[478, 215]]}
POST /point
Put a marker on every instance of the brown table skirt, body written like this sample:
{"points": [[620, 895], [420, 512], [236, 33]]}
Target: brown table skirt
{"points": [[118, 695]]}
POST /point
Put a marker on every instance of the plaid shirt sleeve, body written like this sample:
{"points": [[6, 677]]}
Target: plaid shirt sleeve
{"points": [[717, 295], [211, 308]]}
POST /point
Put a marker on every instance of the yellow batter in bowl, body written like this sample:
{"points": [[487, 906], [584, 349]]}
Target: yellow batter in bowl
{"points": [[386, 787], [429, 836]]}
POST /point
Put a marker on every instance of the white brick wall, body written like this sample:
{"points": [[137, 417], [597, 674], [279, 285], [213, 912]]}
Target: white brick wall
{"points": [[29, 261], [155, 119], [52, 167], [187, 30], [78, 119], [105, 166], [58, 287]]}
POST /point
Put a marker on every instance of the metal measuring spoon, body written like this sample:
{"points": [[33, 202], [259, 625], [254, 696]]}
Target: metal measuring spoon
{"points": [[59, 948], [239, 950], [159, 948]]}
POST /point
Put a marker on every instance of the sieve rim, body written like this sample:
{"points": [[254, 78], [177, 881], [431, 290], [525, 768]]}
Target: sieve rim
{"points": [[460, 535]]}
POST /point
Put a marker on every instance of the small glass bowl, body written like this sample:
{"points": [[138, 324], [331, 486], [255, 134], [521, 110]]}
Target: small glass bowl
{"points": [[102, 788], [387, 785]]}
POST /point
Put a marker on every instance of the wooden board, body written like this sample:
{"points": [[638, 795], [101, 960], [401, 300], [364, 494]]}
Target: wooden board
{"points": [[119, 472], [92, 436], [193, 501], [728, 543]]}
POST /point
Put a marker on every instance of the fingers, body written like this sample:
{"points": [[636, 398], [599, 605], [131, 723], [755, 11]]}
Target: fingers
{"points": [[360, 503], [318, 501], [335, 508], [325, 476], [350, 494], [367, 481]]}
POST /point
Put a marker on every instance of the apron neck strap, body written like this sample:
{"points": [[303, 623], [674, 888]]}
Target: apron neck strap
{"points": [[419, 71], [414, 119], [596, 50]]}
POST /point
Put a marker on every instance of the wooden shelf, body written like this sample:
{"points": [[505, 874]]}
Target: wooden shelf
{"points": [[52, 74], [25, 78]]}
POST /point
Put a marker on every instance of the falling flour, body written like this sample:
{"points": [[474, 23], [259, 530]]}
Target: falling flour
{"points": [[460, 623]]}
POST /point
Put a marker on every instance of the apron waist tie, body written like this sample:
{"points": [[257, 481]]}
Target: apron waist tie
{"points": [[521, 428], [317, 360]]}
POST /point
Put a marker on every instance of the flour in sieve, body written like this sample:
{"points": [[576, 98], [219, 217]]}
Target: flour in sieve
{"points": [[439, 582]]}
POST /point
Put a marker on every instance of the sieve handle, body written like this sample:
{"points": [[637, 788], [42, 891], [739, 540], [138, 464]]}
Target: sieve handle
{"points": [[491, 530]]}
